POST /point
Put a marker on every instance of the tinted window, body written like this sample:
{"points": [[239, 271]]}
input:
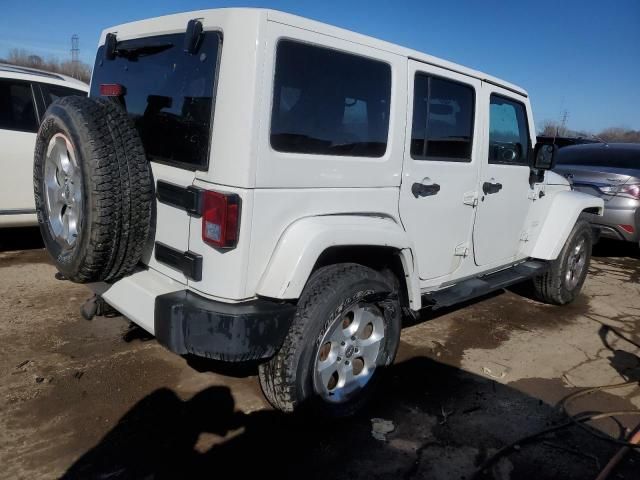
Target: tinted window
{"points": [[330, 103], [442, 127], [168, 93], [508, 132], [17, 111], [627, 157], [54, 92]]}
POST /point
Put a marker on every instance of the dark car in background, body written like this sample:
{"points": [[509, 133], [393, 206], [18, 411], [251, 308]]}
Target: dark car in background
{"points": [[565, 141], [610, 171]]}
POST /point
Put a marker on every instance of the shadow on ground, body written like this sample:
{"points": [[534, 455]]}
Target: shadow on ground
{"points": [[616, 249], [447, 422], [24, 238]]}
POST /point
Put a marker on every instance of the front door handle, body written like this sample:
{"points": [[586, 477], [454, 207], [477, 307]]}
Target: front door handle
{"points": [[422, 190], [488, 188]]}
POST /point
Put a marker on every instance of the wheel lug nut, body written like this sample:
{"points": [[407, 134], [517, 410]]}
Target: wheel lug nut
{"points": [[339, 359], [346, 362], [353, 337], [342, 343], [357, 349]]}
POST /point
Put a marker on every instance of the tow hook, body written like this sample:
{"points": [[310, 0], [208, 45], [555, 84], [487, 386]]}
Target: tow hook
{"points": [[96, 307]]}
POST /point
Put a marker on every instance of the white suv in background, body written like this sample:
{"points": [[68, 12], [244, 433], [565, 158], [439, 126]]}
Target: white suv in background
{"points": [[25, 94]]}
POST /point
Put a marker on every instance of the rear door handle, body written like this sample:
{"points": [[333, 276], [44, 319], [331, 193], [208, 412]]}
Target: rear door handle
{"points": [[488, 188], [422, 190]]}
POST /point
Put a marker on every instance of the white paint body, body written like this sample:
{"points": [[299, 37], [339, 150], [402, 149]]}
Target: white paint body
{"points": [[17, 206], [295, 206]]}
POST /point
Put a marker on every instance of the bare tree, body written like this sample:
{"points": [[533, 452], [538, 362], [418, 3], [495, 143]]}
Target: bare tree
{"points": [[23, 58], [552, 128], [620, 134]]}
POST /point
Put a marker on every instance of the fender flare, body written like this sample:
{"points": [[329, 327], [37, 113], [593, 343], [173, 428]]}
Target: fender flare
{"points": [[562, 215], [306, 239]]}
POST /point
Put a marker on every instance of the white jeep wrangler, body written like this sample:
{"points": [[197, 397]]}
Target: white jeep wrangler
{"points": [[250, 185]]}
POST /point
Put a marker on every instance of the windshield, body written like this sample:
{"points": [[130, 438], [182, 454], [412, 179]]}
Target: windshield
{"points": [[622, 156], [169, 94]]}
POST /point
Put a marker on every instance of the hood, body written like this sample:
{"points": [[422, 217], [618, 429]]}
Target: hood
{"points": [[552, 178]]}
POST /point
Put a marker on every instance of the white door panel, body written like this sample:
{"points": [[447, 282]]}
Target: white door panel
{"points": [[16, 163], [504, 182], [441, 168]]}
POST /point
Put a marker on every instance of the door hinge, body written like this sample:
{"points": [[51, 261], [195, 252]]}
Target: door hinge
{"points": [[470, 198], [462, 250], [536, 193]]}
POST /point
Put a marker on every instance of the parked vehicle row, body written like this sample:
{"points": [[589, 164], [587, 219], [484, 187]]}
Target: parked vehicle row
{"points": [[25, 94], [611, 172]]}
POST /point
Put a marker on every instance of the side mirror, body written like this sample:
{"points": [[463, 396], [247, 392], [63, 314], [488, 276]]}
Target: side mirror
{"points": [[544, 156]]}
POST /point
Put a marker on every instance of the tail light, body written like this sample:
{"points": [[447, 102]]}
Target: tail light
{"points": [[628, 228], [220, 219], [111, 90], [632, 190]]}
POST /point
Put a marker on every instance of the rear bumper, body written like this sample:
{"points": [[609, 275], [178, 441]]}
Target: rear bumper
{"points": [[185, 322], [233, 332], [611, 220]]}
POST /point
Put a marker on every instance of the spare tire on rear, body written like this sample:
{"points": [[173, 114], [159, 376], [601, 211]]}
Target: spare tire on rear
{"points": [[93, 189]]}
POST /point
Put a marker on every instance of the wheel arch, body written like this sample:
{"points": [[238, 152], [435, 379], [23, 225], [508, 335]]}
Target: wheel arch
{"points": [[311, 243], [562, 214]]}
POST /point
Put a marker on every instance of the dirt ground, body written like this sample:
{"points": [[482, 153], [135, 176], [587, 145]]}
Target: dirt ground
{"points": [[102, 400]]}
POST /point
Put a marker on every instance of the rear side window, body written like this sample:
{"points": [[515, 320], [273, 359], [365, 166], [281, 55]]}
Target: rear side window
{"points": [[442, 127], [508, 132], [17, 110], [328, 102], [52, 93], [169, 94]]}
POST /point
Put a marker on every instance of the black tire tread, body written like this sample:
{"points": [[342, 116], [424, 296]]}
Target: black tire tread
{"points": [[549, 286], [278, 376], [118, 189]]}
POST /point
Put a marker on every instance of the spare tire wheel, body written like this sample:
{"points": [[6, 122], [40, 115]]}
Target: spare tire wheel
{"points": [[93, 189]]}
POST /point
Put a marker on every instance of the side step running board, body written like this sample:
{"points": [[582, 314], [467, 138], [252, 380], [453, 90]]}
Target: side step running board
{"points": [[476, 287]]}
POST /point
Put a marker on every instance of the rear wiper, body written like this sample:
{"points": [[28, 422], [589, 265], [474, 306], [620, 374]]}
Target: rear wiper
{"points": [[132, 49], [132, 52]]}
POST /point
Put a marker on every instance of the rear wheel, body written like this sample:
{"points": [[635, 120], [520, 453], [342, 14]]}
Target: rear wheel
{"points": [[345, 331], [562, 283]]}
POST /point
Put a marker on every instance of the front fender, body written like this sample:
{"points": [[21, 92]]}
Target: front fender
{"points": [[560, 218], [303, 242]]}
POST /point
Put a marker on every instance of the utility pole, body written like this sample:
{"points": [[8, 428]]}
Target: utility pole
{"points": [[75, 53], [563, 124]]}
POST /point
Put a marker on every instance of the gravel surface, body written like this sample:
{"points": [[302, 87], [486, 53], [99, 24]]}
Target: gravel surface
{"points": [[102, 399]]}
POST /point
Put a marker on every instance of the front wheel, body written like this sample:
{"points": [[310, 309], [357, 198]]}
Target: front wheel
{"points": [[345, 331], [562, 283]]}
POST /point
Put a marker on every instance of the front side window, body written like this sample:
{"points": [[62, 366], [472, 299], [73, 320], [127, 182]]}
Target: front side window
{"points": [[17, 111], [442, 127], [327, 102], [508, 132]]}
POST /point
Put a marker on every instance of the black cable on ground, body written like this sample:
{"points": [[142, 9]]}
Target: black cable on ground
{"points": [[588, 428], [579, 419]]}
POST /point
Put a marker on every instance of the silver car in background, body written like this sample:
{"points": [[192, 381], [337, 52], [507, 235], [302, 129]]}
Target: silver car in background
{"points": [[610, 171]]}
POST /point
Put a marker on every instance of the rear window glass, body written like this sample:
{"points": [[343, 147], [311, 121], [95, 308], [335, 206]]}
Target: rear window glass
{"points": [[328, 102], [52, 93], [601, 156], [169, 94]]}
